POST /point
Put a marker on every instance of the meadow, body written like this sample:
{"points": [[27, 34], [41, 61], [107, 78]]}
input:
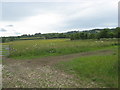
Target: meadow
{"points": [[99, 66], [25, 49], [101, 69]]}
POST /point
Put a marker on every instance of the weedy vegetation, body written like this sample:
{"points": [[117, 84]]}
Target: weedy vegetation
{"points": [[102, 69], [25, 49]]}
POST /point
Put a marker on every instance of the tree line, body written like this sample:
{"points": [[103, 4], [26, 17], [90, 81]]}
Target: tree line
{"points": [[73, 35], [97, 34]]}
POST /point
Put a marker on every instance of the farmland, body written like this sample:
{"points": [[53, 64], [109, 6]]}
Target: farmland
{"points": [[98, 68], [61, 63], [68, 44], [52, 47]]}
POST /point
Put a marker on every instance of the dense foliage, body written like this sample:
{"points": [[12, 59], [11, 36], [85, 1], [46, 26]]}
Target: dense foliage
{"points": [[97, 34]]}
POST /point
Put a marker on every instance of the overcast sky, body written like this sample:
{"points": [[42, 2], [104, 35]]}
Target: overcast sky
{"points": [[46, 17]]}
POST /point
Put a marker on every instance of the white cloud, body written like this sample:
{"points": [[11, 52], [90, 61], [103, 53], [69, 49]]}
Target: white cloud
{"points": [[40, 23], [43, 23], [49, 20]]}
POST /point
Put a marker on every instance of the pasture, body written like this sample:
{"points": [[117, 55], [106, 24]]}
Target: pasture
{"points": [[97, 68], [52, 47], [61, 63]]}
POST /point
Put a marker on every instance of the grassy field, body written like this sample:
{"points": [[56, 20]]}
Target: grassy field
{"points": [[102, 69], [52, 47], [97, 67]]}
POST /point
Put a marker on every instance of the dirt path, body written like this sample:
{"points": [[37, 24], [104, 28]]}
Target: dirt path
{"points": [[39, 73]]}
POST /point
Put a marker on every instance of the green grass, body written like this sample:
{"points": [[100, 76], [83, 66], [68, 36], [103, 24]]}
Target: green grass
{"points": [[101, 69], [42, 48]]}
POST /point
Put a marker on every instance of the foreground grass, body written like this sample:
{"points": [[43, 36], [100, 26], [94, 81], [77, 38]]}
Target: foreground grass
{"points": [[41, 48], [102, 69]]}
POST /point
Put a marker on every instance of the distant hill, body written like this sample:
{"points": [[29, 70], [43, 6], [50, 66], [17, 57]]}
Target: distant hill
{"points": [[86, 34]]}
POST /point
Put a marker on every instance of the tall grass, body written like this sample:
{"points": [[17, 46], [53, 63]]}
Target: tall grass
{"points": [[40, 48], [99, 69]]}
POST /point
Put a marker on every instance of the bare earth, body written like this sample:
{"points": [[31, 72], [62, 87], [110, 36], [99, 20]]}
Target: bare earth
{"points": [[40, 73]]}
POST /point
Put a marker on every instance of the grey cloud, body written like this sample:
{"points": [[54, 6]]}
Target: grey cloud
{"points": [[96, 15], [9, 25], [14, 11], [3, 30]]}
